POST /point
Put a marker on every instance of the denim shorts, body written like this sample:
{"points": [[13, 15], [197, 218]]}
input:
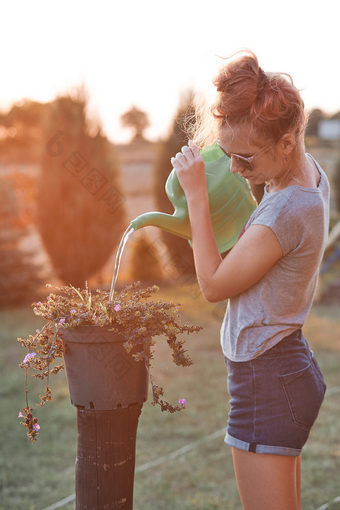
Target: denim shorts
{"points": [[274, 398]]}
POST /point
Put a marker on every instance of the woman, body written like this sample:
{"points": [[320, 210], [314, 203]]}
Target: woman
{"points": [[270, 275]]}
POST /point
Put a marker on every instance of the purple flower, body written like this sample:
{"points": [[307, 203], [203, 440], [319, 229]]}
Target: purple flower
{"points": [[38, 303], [72, 311], [29, 356], [36, 427], [20, 415], [117, 307], [61, 321], [182, 401]]}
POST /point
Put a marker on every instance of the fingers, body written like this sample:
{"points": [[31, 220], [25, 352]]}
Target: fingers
{"points": [[180, 155], [190, 151], [180, 160], [176, 161], [187, 154], [194, 149]]}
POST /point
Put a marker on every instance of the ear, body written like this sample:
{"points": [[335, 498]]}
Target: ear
{"points": [[287, 144]]}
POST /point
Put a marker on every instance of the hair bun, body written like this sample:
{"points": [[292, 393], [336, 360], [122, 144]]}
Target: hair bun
{"points": [[268, 101], [262, 80]]}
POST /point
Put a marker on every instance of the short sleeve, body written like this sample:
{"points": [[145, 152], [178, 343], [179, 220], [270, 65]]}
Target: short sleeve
{"points": [[280, 214]]}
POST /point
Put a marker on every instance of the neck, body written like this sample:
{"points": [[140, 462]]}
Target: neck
{"points": [[296, 170]]}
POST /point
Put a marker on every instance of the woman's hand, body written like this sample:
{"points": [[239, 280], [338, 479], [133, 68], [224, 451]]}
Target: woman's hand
{"points": [[189, 167]]}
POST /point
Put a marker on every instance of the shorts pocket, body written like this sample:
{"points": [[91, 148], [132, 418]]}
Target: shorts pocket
{"points": [[304, 392], [317, 368]]}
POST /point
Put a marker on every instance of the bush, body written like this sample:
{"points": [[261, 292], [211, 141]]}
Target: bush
{"points": [[19, 277], [145, 264], [80, 209]]}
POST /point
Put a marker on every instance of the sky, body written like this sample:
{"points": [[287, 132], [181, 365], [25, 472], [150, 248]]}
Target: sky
{"points": [[149, 52]]}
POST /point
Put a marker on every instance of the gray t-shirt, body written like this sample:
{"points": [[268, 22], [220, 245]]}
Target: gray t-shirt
{"points": [[279, 303]]}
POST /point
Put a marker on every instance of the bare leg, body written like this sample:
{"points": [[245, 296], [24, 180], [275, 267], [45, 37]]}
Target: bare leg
{"points": [[265, 481], [298, 482]]}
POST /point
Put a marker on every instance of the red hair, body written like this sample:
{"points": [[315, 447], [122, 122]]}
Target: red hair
{"points": [[268, 101]]}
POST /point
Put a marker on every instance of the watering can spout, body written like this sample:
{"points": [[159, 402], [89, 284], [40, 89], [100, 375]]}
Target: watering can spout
{"points": [[169, 223]]}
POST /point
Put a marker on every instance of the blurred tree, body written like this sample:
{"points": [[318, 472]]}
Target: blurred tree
{"points": [[80, 210], [313, 122], [137, 120], [19, 277], [22, 131], [23, 185], [336, 115], [181, 253], [145, 264]]}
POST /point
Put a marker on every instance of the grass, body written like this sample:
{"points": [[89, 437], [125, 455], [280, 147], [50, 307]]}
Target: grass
{"points": [[34, 476]]}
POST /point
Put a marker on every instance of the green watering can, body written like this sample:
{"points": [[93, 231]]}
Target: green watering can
{"points": [[230, 202]]}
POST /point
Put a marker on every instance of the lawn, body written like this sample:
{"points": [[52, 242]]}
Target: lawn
{"points": [[34, 476]]}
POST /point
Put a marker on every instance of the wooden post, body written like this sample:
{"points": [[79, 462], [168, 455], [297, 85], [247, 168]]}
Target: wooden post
{"points": [[105, 462]]}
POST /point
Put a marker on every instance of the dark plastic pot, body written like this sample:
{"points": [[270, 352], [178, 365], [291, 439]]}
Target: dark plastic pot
{"points": [[100, 372], [108, 387]]}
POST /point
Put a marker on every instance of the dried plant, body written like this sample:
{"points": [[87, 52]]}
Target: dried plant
{"points": [[129, 314]]}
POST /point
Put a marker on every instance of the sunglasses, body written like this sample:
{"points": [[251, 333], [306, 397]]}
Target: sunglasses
{"points": [[245, 161]]}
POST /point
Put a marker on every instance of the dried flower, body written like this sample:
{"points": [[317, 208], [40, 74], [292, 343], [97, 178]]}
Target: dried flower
{"points": [[29, 356], [141, 321]]}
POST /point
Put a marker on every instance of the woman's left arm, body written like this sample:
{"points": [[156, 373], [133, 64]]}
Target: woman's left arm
{"points": [[247, 262]]}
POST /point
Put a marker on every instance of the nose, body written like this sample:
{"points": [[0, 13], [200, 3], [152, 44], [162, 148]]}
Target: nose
{"points": [[233, 167]]}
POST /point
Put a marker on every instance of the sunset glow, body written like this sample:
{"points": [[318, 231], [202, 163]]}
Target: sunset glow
{"points": [[147, 53]]}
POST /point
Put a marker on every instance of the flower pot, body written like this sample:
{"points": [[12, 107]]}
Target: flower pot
{"points": [[108, 387], [101, 374]]}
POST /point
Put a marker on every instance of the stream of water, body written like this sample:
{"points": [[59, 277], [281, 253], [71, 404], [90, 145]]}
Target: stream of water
{"points": [[119, 254]]}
